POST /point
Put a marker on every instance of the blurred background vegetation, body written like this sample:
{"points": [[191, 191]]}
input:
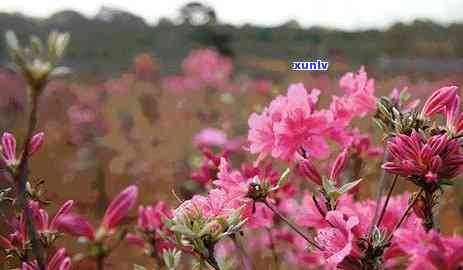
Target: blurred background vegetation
{"points": [[106, 43]]}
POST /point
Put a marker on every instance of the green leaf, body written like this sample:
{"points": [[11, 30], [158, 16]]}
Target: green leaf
{"points": [[235, 217], [328, 185], [182, 229], [346, 187]]}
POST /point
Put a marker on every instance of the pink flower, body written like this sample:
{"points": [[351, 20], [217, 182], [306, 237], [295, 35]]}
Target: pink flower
{"points": [[361, 145], [81, 114], [288, 125], [210, 166], [360, 92], [119, 207], [59, 261], [439, 100], [209, 67], [436, 158], [210, 137], [216, 204], [337, 242], [233, 182], [150, 217], [430, 250]]}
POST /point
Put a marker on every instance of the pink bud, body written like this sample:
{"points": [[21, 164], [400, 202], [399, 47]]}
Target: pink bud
{"points": [[57, 259], [438, 100], [339, 165], [75, 225], [9, 149], [306, 168], [119, 207], [65, 264], [35, 143], [64, 210], [452, 110]]}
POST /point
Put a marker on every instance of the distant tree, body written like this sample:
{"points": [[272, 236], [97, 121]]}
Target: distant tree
{"points": [[207, 31]]}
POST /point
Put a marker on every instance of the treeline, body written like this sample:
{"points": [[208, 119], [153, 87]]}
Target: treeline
{"points": [[108, 42]]}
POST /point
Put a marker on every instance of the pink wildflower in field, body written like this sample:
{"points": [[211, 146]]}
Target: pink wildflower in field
{"points": [[337, 242], [208, 66], [210, 137]]}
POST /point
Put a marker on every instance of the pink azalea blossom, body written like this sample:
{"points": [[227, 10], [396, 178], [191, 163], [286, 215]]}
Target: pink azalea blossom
{"points": [[288, 125], [208, 66], [433, 159], [430, 250], [337, 242], [210, 137], [360, 92]]}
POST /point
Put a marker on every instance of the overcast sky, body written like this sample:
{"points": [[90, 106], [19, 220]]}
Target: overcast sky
{"points": [[344, 14]]}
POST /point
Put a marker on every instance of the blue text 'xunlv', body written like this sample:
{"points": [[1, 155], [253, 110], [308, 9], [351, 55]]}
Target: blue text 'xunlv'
{"points": [[318, 65]]}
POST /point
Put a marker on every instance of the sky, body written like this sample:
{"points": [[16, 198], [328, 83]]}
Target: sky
{"points": [[344, 14]]}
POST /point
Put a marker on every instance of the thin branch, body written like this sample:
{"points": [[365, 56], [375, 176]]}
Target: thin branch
{"points": [[21, 177], [383, 211], [290, 224], [405, 214]]}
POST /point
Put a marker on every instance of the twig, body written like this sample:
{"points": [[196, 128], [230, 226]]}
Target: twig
{"points": [[404, 215], [290, 224], [383, 211], [21, 180]]}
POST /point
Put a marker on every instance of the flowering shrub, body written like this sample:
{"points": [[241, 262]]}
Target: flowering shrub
{"points": [[298, 200]]}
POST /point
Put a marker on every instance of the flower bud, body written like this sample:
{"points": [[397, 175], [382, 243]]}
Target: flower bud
{"points": [[339, 165], [9, 149], [75, 225], [119, 207], [419, 207], [35, 143], [306, 168], [438, 100]]}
